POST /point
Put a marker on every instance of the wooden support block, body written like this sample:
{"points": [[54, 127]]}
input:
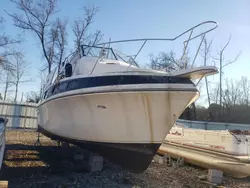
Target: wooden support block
{"points": [[168, 160], [215, 176], [180, 161], [3, 184]]}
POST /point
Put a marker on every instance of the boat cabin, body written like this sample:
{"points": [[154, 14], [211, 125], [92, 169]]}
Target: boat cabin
{"points": [[97, 60]]}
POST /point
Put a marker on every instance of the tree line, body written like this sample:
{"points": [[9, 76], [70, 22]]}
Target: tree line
{"points": [[228, 101], [51, 33], [235, 106]]}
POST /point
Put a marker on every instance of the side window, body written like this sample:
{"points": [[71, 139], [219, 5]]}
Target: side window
{"points": [[48, 93], [55, 89], [63, 87], [59, 88], [74, 84]]}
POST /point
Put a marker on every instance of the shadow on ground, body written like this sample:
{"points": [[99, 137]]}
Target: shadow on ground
{"points": [[26, 161], [51, 166]]}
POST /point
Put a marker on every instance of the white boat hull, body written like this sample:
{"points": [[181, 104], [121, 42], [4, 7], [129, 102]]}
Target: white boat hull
{"points": [[122, 126], [117, 117]]}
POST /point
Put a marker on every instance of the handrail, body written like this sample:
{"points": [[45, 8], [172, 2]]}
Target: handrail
{"points": [[186, 42], [167, 39]]}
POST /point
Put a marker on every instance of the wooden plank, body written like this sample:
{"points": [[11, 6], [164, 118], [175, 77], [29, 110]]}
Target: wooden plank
{"points": [[3, 184]]}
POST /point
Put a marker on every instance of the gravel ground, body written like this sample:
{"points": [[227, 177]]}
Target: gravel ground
{"points": [[48, 165]]}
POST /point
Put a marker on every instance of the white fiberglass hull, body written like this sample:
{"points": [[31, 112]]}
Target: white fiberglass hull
{"points": [[124, 123], [114, 117]]}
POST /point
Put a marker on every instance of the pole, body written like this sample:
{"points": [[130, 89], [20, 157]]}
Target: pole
{"points": [[220, 85], [205, 64], [22, 97]]}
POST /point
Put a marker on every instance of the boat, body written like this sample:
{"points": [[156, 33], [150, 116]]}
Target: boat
{"points": [[225, 150], [101, 100], [229, 142]]}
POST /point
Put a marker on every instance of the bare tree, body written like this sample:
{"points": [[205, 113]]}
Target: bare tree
{"points": [[6, 74], [231, 94], [19, 66], [8, 81], [81, 26], [42, 77], [235, 100], [36, 17], [206, 55], [5, 40], [231, 97], [168, 62], [235, 92], [57, 42], [33, 97], [224, 63], [214, 94], [245, 91]]}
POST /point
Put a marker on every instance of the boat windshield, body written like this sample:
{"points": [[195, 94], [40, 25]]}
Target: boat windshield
{"points": [[108, 53], [95, 51]]}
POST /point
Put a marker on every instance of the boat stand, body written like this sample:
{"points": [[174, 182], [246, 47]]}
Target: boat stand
{"points": [[4, 184], [166, 159], [88, 161], [83, 159], [38, 143], [213, 179]]}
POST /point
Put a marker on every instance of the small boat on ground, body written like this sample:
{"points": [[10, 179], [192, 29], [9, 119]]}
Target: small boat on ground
{"points": [[235, 143], [226, 150], [111, 106]]}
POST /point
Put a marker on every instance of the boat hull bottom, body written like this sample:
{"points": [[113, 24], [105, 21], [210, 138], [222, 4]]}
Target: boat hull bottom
{"points": [[134, 157]]}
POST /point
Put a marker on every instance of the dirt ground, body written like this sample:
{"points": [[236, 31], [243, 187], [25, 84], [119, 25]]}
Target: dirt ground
{"points": [[49, 165]]}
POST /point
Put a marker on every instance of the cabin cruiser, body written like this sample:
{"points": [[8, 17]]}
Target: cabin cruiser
{"points": [[109, 105]]}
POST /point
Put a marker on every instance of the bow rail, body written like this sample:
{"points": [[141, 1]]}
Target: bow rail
{"points": [[168, 39], [186, 42]]}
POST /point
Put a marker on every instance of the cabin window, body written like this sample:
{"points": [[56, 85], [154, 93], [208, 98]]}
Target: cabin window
{"points": [[63, 86], [74, 84], [68, 70], [59, 87]]}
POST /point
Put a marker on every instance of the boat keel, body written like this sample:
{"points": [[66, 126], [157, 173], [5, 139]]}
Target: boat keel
{"points": [[132, 157]]}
